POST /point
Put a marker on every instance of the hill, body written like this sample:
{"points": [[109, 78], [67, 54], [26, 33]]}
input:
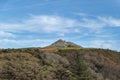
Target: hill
{"points": [[64, 44], [61, 63]]}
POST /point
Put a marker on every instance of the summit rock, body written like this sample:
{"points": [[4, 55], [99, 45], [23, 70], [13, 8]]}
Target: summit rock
{"points": [[62, 44]]}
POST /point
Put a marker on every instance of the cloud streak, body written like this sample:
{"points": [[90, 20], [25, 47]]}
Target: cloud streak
{"points": [[45, 24], [51, 24], [106, 44], [57, 25], [24, 43], [110, 21], [4, 34]]}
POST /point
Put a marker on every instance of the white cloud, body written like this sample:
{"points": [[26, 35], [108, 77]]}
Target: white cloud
{"points": [[6, 34], [42, 23], [10, 43], [110, 21], [11, 27], [101, 44], [57, 24], [106, 44], [92, 23], [100, 22], [51, 23]]}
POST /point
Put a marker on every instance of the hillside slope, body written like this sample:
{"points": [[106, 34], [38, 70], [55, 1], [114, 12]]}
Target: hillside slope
{"points": [[59, 64]]}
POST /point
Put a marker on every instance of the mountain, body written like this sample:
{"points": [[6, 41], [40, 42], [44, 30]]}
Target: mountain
{"points": [[64, 44], [66, 62]]}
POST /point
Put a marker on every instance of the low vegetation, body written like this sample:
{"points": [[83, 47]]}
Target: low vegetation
{"points": [[59, 62]]}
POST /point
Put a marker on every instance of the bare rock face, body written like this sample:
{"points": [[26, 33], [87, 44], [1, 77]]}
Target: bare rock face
{"points": [[62, 43]]}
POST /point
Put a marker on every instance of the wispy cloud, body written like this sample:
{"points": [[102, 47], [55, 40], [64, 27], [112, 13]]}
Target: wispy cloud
{"points": [[106, 44], [59, 26], [51, 23], [10, 43], [110, 21], [43, 23], [101, 43], [98, 21], [6, 34]]}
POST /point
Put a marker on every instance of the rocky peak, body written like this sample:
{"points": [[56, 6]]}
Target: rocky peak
{"points": [[62, 43]]}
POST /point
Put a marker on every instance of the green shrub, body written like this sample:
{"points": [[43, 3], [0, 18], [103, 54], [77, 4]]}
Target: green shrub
{"points": [[80, 69]]}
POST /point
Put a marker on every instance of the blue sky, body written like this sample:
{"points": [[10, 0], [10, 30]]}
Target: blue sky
{"points": [[36, 23]]}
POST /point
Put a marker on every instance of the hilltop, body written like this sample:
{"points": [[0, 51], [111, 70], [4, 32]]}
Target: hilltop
{"points": [[64, 44], [61, 60]]}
